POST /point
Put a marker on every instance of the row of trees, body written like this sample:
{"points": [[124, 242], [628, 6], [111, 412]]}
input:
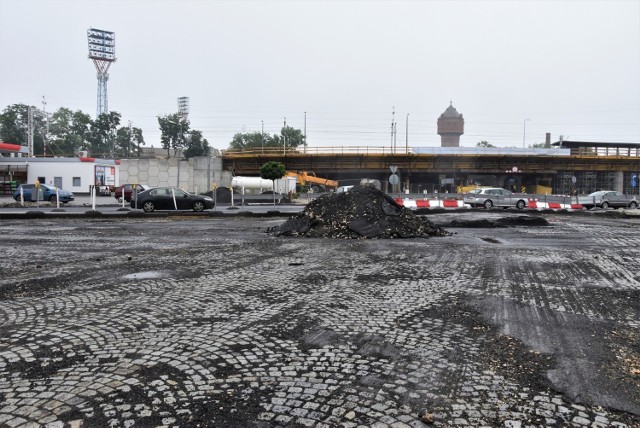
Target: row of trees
{"points": [[67, 132], [289, 137]]}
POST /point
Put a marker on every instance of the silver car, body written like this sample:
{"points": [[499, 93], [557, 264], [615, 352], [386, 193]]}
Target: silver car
{"points": [[608, 198], [495, 197]]}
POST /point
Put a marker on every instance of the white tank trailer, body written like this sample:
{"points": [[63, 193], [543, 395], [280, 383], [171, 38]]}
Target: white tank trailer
{"points": [[258, 185]]}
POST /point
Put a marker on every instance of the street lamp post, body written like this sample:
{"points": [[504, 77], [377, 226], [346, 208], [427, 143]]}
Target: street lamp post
{"points": [[524, 131], [262, 136]]}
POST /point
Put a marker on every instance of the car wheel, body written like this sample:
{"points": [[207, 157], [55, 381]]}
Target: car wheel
{"points": [[604, 205], [52, 199], [520, 205], [633, 205], [148, 207], [198, 206], [488, 204], [120, 199]]}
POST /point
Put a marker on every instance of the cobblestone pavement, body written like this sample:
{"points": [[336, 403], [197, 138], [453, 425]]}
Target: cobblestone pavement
{"points": [[212, 322]]}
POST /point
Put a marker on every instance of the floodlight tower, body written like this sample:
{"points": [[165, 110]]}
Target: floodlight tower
{"points": [[102, 50], [183, 107], [183, 113]]}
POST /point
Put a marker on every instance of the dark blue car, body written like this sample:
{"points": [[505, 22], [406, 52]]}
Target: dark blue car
{"points": [[48, 193]]}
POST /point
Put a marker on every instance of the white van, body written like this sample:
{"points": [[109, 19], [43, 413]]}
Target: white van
{"points": [[343, 189]]}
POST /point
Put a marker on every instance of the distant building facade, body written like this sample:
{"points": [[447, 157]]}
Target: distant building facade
{"points": [[450, 127]]}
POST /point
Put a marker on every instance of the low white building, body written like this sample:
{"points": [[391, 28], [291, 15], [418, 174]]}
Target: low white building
{"points": [[77, 175]]}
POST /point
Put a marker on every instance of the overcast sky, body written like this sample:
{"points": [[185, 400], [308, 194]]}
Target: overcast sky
{"points": [[571, 67]]}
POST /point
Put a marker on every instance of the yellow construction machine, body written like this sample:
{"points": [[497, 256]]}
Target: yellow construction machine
{"points": [[304, 178]]}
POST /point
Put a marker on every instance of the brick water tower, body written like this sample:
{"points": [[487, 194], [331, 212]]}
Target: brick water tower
{"points": [[450, 127]]}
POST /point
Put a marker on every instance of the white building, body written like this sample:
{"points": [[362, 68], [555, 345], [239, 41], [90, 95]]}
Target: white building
{"points": [[77, 175]]}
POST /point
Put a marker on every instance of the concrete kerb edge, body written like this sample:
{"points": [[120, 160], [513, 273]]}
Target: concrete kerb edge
{"points": [[139, 215]]}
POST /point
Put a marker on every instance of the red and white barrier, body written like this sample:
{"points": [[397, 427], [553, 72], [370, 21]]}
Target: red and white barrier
{"points": [[456, 203], [430, 203], [536, 204]]}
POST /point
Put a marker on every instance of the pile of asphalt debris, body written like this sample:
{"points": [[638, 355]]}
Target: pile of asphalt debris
{"points": [[362, 212]]}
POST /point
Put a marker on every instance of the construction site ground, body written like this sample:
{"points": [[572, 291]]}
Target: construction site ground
{"points": [[183, 321]]}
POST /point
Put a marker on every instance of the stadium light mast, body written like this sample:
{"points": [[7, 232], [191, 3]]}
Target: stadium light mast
{"points": [[102, 50], [183, 113], [183, 107]]}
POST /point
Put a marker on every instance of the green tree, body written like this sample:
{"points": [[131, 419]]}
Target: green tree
{"points": [[68, 131], [102, 135], [197, 145], [128, 141], [173, 130], [138, 139], [273, 171], [484, 144], [251, 140], [14, 123], [293, 138]]}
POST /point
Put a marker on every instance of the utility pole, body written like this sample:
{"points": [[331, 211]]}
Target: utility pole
{"points": [[407, 135], [45, 132], [262, 136], [305, 132], [130, 140], [30, 130], [393, 119], [395, 136], [524, 131], [284, 136]]}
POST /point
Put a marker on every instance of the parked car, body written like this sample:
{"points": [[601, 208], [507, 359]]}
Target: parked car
{"points": [[490, 197], [162, 198], [608, 198], [127, 189], [48, 193]]}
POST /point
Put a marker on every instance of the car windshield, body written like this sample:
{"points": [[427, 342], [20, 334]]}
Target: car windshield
{"points": [[598, 193], [475, 191]]}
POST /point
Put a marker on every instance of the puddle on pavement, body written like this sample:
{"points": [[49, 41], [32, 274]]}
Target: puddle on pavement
{"points": [[491, 240], [151, 274]]}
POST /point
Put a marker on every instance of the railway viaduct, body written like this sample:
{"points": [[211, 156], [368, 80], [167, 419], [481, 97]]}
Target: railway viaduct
{"points": [[570, 166]]}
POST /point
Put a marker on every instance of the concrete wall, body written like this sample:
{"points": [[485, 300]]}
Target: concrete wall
{"points": [[197, 174]]}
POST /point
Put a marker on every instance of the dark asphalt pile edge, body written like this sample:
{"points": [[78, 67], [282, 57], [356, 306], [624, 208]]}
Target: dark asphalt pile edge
{"points": [[521, 220]]}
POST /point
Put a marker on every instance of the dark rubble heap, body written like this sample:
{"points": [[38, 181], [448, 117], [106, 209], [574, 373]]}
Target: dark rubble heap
{"points": [[362, 212]]}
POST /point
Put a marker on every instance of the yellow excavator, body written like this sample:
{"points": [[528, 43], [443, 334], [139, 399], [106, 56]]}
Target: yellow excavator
{"points": [[304, 178]]}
